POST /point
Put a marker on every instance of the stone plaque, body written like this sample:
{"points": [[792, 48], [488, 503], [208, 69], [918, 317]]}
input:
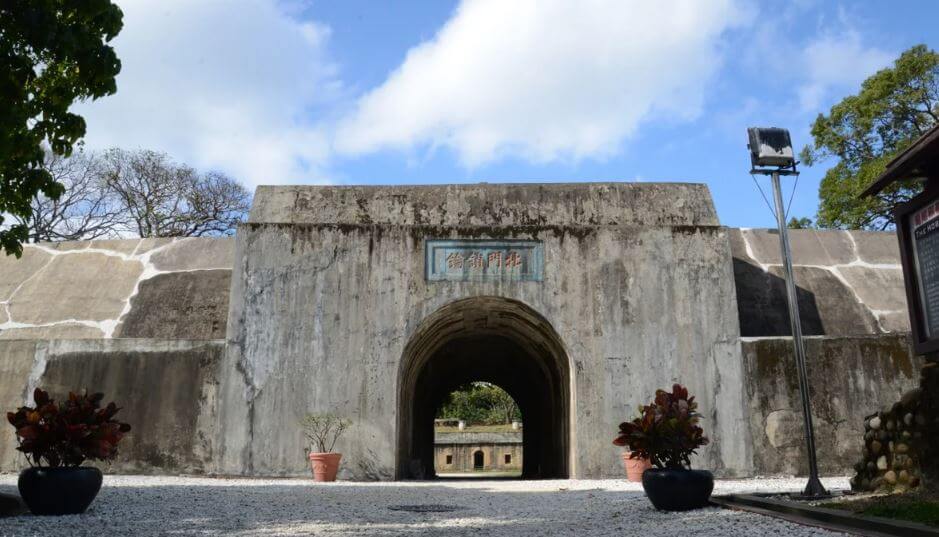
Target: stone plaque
{"points": [[483, 260]]}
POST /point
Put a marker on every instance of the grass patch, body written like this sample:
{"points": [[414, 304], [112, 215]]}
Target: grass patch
{"points": [[914, 507], [476, 429], [922, 512]]}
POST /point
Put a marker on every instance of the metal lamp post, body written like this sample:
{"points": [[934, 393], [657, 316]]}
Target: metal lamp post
{"points": [[771, 150]]}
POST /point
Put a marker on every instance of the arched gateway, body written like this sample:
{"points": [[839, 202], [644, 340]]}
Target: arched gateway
{"points": [[496, 340], [373, 303]]}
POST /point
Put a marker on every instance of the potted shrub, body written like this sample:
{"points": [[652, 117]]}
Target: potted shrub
{"points": [[667, 433], [57, 439], [322, 431]]}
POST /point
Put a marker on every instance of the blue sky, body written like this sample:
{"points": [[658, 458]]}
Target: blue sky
{"points": [[370, 92]]}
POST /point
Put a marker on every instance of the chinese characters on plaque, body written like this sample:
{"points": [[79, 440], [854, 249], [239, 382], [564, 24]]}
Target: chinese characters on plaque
{"points": [[469, 260], [925, 224]]}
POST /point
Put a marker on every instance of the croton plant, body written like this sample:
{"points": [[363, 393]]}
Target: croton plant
{"points": [[67, 433], [666, 432]]}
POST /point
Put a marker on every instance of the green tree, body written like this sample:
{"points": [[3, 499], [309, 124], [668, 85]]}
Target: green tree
{"points": [[480, 403], [864, 132], [800, 223], [52, 54]]}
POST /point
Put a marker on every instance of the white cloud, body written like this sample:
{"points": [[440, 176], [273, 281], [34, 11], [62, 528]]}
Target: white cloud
{"points": [[837, 63], [544, 80], [219, 84]]}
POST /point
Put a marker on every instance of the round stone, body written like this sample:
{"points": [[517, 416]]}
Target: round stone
{"points": [[910, 398], [874, 423], [876, 447], [903, 476], [890, 425], [902, 448], [882, 462], [890, 477], [908, 419], [871, 467]]}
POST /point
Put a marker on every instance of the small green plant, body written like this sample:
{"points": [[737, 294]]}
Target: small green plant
{"points": [[666, 431], [67, 433], [323, 430]]}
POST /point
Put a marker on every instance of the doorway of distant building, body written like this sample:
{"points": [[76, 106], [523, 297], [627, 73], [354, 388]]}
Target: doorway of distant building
{"points": [[479, 461]]}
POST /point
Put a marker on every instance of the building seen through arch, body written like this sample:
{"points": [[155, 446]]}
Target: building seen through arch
{"points": [[488, 443]]}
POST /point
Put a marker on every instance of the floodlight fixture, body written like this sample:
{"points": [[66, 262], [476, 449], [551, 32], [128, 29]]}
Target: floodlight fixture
{"points": [[771, 154], [771, 147]]}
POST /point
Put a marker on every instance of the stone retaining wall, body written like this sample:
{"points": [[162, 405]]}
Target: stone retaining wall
{"points": [[134, 288], [849, 377], [850, 283], [166, 391]]}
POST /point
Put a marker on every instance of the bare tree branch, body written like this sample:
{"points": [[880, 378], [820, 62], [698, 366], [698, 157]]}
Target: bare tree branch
{"points": [[87, 209]]}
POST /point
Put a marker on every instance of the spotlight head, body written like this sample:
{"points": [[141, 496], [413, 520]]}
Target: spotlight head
{"points": [[770, 146]]}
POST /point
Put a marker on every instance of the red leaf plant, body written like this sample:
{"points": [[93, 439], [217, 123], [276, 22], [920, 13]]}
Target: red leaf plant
{"points": [[67, 433], [666, 431]]}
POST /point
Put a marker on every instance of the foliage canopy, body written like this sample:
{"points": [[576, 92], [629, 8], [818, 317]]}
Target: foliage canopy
{"points": [[480, 403], [864, 132], [52, 54]]}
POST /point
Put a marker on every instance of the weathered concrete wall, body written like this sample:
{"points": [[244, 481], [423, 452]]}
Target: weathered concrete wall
{"points": [[530, 204], [638, 284], [166, 391], [850, 282], [641, 285], [135, 288], [849, 378]]}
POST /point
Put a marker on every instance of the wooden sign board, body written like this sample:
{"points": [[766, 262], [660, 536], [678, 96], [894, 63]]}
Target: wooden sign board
{"points": [[918, 232]]}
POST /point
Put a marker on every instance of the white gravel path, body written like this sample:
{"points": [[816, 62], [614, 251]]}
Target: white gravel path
{"points": [[138, 505]]}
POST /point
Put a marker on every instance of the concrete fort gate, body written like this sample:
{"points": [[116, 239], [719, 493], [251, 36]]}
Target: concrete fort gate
{"points": [[497, 340], [374, 302]]}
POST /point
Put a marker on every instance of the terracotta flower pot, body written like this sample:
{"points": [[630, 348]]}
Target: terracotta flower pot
{"points": [[324, 465], [635, 467]]}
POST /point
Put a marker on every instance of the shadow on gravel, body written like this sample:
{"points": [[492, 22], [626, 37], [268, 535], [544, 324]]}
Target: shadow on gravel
{"points": [[305, 508], [358, 509]]}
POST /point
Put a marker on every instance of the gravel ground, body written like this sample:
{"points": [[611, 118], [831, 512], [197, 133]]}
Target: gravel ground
{"points": [[135, 505]]}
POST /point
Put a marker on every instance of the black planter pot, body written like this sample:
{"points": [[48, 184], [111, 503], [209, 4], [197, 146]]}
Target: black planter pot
{"points": [[59, 491], [677, 490]]}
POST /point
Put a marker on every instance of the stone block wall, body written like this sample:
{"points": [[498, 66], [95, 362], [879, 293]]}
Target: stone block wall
{"points": [[166, 390], [849, 377], [647, 289], [849, 283], [455, 452], [134, 288]]}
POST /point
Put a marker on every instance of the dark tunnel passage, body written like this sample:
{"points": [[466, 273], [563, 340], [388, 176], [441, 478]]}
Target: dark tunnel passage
{"points": [[495, 340]]}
